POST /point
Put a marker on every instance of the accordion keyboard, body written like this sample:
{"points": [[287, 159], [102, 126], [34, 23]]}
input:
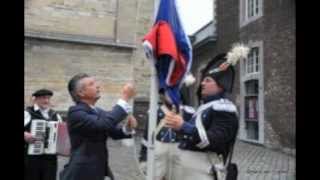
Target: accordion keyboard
{"points": [[38, 129]]}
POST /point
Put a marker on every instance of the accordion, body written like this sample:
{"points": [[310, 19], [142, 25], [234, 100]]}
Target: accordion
{"points": [[54, 138]]}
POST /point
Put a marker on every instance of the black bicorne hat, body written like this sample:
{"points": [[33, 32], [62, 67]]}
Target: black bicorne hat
{"points": [[224, 78], [42, 92]]}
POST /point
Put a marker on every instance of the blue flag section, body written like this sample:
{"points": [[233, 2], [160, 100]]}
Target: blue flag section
{"points": [[169, 47]]}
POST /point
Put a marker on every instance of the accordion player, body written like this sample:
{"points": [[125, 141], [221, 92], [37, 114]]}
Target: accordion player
{"points": [[52, 137], [41, 135]]}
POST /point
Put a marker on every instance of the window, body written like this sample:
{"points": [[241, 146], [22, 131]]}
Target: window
{"points": [[253, 8], [251, 92], [252, 63], [250, 10], [251, 113]]}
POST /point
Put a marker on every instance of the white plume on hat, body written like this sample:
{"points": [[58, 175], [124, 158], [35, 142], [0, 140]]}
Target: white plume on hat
{"points": [[189, 80], [238, 51]]}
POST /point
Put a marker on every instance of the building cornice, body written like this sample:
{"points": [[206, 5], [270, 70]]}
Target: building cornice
{"points": [[81, 39]]}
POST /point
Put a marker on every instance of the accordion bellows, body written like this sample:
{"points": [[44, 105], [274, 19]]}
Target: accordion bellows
{"points": [[63, 144]]}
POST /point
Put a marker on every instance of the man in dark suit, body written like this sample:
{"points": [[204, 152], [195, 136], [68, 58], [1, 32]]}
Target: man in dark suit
{"points": [[90, 126]]}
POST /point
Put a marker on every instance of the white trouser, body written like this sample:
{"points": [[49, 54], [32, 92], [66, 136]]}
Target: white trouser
{"points": [[165, 155], [192, 165]]}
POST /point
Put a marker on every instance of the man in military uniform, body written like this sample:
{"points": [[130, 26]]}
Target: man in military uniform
{"points": [[208, 136], [39, 167]]}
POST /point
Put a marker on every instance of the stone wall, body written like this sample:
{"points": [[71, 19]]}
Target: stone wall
{"points": [[280, 69], [102, 38], [141, 63], [276, 30], [110, 20], [50, 64]]}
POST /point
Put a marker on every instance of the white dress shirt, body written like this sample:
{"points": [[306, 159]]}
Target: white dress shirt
{"points": [[44, 112]]}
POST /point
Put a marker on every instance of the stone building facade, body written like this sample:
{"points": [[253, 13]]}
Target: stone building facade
{"points": [[264, 88], [99, 37]]}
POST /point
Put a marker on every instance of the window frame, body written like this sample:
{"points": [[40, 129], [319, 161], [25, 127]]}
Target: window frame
{"points": [[244, 17], [245, 77], [254, 62]]}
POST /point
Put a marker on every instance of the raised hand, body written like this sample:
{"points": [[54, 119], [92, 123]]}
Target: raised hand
{"points": [[128, 91], [132, 122]]}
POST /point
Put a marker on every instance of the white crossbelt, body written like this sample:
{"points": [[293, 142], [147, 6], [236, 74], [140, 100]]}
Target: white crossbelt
{"points": [[199, 125]]}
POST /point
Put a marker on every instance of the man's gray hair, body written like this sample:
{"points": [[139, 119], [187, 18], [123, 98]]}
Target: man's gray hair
{"points": [[74, 86]]}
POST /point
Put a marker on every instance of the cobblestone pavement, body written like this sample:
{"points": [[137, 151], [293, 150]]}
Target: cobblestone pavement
{"points": [[254, 162], [258, 163], [122, 160]]}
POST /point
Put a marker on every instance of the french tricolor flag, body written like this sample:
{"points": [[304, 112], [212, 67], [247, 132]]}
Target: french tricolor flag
{"points": [[169, 48]]}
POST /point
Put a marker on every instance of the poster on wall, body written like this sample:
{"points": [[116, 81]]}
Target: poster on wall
{"points": [[252, 109]]}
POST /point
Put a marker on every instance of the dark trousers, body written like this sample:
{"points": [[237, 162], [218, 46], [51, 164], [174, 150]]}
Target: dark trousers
{"points": [[40, 168]]}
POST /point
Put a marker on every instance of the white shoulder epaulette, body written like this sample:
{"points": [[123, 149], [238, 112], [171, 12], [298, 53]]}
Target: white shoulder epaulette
{"points": [[188, 109], [224, 105]]}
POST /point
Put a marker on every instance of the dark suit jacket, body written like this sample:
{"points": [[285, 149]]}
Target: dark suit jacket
{"points": [[89, 130]]}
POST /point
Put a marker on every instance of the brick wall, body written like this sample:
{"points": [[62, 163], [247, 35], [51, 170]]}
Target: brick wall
{"points": [[141, 63], [51, 65], [279, 55], [276, 29], [90, 18], [108, 25]]}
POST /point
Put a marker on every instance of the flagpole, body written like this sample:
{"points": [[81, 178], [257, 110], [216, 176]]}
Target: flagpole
{"points": [[153, 106], [152, 124]]}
